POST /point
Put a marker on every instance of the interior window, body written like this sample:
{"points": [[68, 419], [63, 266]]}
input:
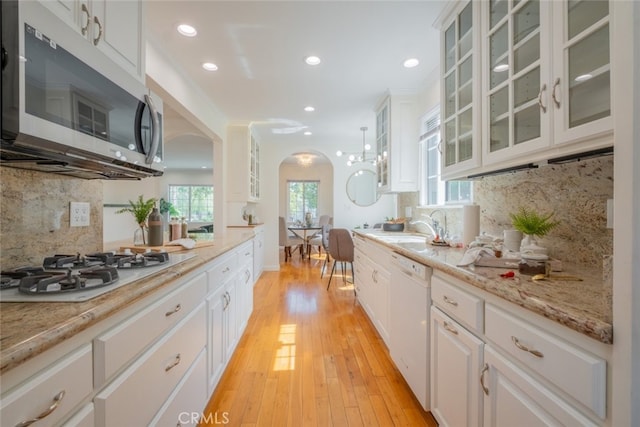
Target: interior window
{"points": [[434, 191], [194, 202], [303, 198]]}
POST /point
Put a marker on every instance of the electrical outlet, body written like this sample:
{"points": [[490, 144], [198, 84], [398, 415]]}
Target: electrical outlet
{"points": [[79, 214]]}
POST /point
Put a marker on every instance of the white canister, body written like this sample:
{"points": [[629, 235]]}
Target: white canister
{"points": [[512, 239]]}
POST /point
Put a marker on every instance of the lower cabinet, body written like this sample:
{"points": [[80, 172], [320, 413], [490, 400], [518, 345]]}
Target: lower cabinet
{"points": [[134, 397], [492, 365], [456, 360], [514, 398]]}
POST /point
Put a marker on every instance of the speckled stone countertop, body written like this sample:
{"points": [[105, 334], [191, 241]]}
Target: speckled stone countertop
{"points": [[30, 328], [584, 306]]}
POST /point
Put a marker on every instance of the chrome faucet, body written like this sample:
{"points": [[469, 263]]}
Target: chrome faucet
{"points": [[441, 231], [429, 226]]}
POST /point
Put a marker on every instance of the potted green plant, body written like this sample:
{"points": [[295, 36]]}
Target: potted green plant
{"points": [[532, 224], [140, 209]]}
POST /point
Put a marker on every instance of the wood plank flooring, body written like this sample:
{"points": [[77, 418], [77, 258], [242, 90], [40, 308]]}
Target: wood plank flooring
{"points": [[311, 357]]}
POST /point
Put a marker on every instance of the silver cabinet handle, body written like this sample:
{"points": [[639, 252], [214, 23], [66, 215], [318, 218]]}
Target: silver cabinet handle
{"points": [[175, 310], [97, 39], [556, 100], [226, 270], [173, 364], [248, 274], [523, 347], [450, 301], [542, 106], [56, 402], [484, 387], [85, 10], [450, 328]]}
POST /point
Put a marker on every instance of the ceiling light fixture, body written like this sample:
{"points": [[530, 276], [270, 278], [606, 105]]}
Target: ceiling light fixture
{"points": [[359, 157], [312, 60], [187, 30], [309, 109], [210, 66], [411, 62], [304, 159], [307, 133]]}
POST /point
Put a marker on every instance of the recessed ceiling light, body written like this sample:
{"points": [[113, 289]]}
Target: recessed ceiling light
{"points": [[411, 62], [501, 68], [209, 66], [203, 167], [583, 77], [309, 108], [187, 30], [312, 60], [307, 133]]}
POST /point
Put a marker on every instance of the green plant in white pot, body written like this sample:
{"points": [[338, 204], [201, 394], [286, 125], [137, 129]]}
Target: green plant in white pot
{"points": [[532, 225], [140, 209]]}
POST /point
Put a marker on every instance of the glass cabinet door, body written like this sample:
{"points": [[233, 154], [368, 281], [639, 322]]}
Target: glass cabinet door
{"points": [[582, 87], [458, 87], [515, 81], [382, 146]]}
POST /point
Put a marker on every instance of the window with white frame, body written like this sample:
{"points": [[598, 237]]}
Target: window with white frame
{"points": [[302, 198], [194, 202], [434, 191]]}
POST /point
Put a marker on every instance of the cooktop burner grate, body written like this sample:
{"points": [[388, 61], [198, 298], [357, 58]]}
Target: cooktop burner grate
{"points": [[52, 282], [63, 262]]}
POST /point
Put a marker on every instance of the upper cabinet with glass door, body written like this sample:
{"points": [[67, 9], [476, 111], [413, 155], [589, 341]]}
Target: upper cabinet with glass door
{"points": [[397, 143], [460, 88], [546, 79], [581, 92]]}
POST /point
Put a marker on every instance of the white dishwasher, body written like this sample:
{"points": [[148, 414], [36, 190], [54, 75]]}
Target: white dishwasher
{"points": [[410, 300]]}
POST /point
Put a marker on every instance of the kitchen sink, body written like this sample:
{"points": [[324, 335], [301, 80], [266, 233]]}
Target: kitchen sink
{"points": [[402, 238]]}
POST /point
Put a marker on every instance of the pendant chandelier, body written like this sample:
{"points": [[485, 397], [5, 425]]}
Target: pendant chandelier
{"points": [[366, 156]]}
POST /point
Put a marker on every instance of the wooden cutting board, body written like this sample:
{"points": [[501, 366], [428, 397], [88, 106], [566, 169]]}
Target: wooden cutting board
{"points": [[171, 248]]}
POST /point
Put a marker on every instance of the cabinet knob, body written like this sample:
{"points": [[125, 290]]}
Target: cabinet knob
{"points": [[484, 387], [175, 310], [450, 301], [56, 402], [542, 89], [450, 328], [97, 39], [556, 100], [173, 364]]}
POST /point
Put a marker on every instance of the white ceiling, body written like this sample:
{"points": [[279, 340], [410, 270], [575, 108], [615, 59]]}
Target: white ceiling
{"points": [[260, 46]]}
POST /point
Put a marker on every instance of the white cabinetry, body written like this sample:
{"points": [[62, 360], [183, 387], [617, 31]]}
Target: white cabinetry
{"points": [[460, 88], [397, 144], [244, 154], [493, 367], [116, 28], [258, 253], [52, 394], [229, 306], [375, 280], [456, 354]]}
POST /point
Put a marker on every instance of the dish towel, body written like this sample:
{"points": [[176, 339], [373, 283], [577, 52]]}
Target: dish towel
{"points": [[472, 255], [185, 243]]}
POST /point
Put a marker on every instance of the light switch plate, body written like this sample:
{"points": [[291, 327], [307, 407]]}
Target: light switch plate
{"points": [[79, 214]]}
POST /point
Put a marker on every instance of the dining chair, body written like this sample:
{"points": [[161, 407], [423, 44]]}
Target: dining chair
{"points": [[288, 241], [322, 241], [341, 250], [316, 239]]}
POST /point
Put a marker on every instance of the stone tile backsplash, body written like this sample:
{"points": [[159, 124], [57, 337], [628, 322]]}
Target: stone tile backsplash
{"points": [[576, 192], [34, 216]]}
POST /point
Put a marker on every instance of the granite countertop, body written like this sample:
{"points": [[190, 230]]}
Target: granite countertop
{"points": [[30, 328], [584, 306]]}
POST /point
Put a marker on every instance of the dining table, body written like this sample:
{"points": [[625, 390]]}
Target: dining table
{"points": [[305, 232]]}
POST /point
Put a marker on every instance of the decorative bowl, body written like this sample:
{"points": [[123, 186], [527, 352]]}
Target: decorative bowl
{"points": [[388, 226]]}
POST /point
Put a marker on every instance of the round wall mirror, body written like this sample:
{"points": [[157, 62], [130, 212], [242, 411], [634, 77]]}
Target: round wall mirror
{"points": [[362, 188]]}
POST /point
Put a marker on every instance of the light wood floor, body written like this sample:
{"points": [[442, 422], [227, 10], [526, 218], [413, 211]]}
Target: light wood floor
{"points": [[311, 357]]}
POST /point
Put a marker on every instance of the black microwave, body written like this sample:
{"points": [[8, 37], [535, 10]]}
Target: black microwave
{"points": [[66, 108]]}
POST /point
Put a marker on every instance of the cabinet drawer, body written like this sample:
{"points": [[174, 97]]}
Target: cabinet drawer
{"points": [[70, 378], [82, 418], [459, 304], [572, 369], [188, 400], [245, 253], [135, 396], [116, 347], [222, 269]]}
